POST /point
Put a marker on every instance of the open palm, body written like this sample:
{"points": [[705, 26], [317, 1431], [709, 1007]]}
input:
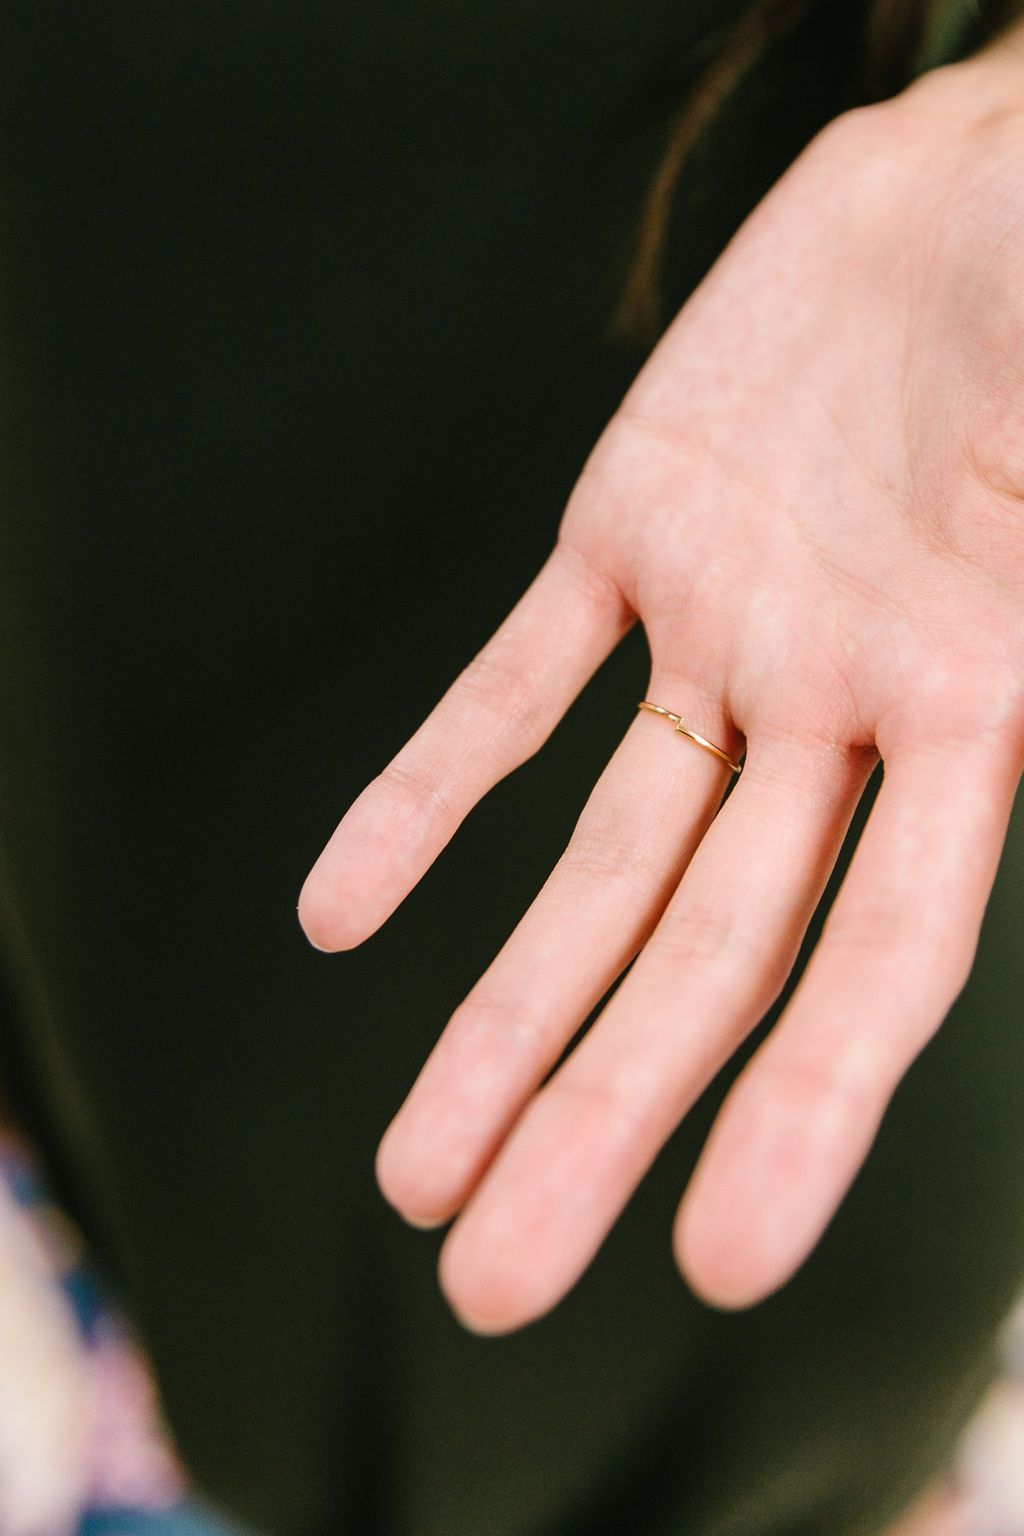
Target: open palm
{"points": [[813, 499]]}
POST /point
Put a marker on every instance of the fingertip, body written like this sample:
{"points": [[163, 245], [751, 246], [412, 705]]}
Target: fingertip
{"points": [[482, 1327], [323, 949], [487, 1299], [325, 917], [721, 1287], [316, 916], [722, 1263], [391, 1170]]}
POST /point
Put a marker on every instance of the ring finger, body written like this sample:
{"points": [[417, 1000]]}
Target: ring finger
{"points": [[638, 831]]}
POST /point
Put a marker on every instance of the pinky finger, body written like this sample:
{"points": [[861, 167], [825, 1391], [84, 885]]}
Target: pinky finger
{"points": [[896, 950]]}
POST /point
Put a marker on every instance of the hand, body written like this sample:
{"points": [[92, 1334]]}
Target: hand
{"points": [[813, 498]]}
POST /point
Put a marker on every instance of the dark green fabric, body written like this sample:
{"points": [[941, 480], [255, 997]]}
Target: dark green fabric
{"points": [[302, 319]]}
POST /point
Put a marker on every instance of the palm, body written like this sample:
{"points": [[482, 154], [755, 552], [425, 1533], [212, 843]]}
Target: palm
{"points": [[809, 499]]}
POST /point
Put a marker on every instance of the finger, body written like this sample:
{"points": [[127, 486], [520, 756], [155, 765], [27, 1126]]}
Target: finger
{"points": [[496, 714], [636, 835], [720, 953], [895, 951]]}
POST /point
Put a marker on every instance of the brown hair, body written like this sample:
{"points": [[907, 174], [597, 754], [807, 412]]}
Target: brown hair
{"points": [[897, 33]]}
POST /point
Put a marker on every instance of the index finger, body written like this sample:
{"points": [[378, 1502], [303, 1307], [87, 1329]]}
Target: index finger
{"points": [[497, 713]]}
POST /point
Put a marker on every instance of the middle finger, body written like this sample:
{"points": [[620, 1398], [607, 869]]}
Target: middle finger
{"points": [[720, 954]]}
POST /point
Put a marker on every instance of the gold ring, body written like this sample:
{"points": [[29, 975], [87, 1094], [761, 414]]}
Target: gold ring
{"points": [[684, 730]]}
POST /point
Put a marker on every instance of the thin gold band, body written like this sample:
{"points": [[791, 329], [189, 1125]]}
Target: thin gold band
{"points": [[684, 730]]}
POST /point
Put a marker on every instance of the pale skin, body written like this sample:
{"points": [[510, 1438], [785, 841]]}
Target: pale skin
{"points": [[812, 498]]}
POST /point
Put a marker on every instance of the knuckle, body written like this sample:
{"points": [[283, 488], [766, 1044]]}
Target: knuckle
{"points": [[421, 793], [842, 1077], [604, 1095], [979, 706], [600, 854], [729, 953], [880, 928], [489, 1014], [692, 934], [597, 586], [886, 932], [865, 927], [503, 692]]}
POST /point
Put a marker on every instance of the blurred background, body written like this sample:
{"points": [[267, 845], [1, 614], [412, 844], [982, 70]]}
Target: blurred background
{"points": [[84, 1450]]}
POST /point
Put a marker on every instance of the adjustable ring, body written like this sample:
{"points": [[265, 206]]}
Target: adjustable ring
{"points": [[684, 730]]}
